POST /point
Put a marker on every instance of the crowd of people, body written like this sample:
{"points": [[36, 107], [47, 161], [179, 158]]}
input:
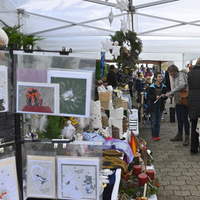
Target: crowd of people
{"points": [[159, 90]]}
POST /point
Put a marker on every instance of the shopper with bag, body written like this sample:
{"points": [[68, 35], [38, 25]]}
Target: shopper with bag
{"points": [[194, 104], [179, 84]]}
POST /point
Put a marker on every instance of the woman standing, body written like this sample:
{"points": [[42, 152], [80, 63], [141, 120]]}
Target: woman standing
{"points": [[179, 82], [194, 104]]}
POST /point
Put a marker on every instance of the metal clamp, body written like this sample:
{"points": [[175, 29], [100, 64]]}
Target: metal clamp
{"points": [[55, 145]]}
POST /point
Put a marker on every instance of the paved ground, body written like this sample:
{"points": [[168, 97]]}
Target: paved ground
{"points": [[177, 170]]}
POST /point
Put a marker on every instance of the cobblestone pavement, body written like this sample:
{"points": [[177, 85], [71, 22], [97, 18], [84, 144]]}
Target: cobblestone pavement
{"points": [[177, 170]]}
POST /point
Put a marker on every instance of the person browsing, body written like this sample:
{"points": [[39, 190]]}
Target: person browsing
{"points": [[156, 96]]}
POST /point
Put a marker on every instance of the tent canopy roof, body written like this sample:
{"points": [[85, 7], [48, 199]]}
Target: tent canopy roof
{"points": [[171, 26]]}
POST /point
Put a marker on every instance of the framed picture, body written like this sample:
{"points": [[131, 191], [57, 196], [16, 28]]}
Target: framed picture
{"points": [[78, 178], [40, 98], [8, 179], [3, 88], [41, 177], [74, 91]]}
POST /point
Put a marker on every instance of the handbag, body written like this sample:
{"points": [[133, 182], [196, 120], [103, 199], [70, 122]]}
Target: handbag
{"points": [[183, 94]]}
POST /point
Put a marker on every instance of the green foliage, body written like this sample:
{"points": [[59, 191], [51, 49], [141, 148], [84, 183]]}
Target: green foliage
{"points": [[98, 71], [19, 38], [55, 125], [128, 57]]}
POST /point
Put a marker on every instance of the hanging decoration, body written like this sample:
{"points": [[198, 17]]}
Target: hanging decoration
{"points": [[123, 25], [129, 55], [107, 45], [122, 5], [111, 16], [116, 50]]}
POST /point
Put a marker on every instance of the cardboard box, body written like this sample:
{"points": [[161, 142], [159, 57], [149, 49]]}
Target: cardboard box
{"points": [[118, 123], [107, 105], [124, 104], [105, 96]]}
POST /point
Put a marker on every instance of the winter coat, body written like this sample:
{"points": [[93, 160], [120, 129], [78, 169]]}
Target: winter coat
{"points": [[179, 84], [167, 81], [139, 84], [194, 92], [151, 96], [112, 79]]}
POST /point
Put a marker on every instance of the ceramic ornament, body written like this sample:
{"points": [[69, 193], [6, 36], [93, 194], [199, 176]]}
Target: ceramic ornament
{"points": [[123, 25], [111, 16], [68, 131], [107, 45], [122, 5], [116, 50]]}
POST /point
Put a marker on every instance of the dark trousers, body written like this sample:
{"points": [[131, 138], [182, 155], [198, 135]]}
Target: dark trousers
{"points": [[130, 85], [182, 118], [194, 136], [155, 122]]}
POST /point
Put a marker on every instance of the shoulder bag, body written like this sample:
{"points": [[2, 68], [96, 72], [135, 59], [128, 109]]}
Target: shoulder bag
{"points": [[183, 94]]}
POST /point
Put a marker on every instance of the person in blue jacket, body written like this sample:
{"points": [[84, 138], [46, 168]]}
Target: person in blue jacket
{"points": [[156, 96], [139, 86]]}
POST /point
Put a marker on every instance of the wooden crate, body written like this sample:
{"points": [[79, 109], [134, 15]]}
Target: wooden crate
{"points": [[105, 96]]}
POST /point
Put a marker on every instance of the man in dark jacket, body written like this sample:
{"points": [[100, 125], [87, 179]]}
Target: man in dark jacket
{"points": [[156, 96], [112, 77], [194, 104]]}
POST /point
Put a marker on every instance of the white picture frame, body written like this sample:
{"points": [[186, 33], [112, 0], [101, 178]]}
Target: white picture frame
{"points": [[8, 179], [78, 178], [49, 98], [3, 88], [41, 181], [74, 91]]}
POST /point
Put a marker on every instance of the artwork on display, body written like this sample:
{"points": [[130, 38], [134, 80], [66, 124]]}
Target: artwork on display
{"points": [[8, 179], [78, 178], [41, 177], [32, 75], [74, 91], [40, 98], [3, 88]]}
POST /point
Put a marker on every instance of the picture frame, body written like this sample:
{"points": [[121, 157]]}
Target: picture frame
{"points": [[8, 179], [78, 178], [3, 88], [41, 181], [37, 98], [74, 91]]}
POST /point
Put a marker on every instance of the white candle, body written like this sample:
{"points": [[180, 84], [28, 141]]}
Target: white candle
{"points": [[145, 189]]}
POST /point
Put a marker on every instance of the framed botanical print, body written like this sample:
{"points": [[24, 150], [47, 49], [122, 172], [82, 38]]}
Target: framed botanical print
{"points": [[37, 98], [78, 178], [74, 91], [41, 177], [3, 88], [8, 179]]}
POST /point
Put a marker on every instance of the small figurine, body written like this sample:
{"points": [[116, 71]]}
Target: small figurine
{"points": [[68, 131]]}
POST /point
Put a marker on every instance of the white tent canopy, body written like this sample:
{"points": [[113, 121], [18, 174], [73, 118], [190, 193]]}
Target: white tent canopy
{"points": [[169, 29]]}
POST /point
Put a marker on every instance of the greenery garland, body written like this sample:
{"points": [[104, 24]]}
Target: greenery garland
{"points": [[127, 58]]}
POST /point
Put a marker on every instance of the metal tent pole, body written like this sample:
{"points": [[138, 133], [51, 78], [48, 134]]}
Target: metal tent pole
{"points": [[18, 152]]}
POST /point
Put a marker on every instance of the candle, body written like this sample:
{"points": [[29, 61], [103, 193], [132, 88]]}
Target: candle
{"points": [[126, 177], [136, 170], [143, 178], [145, 189], [150, 173]]}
